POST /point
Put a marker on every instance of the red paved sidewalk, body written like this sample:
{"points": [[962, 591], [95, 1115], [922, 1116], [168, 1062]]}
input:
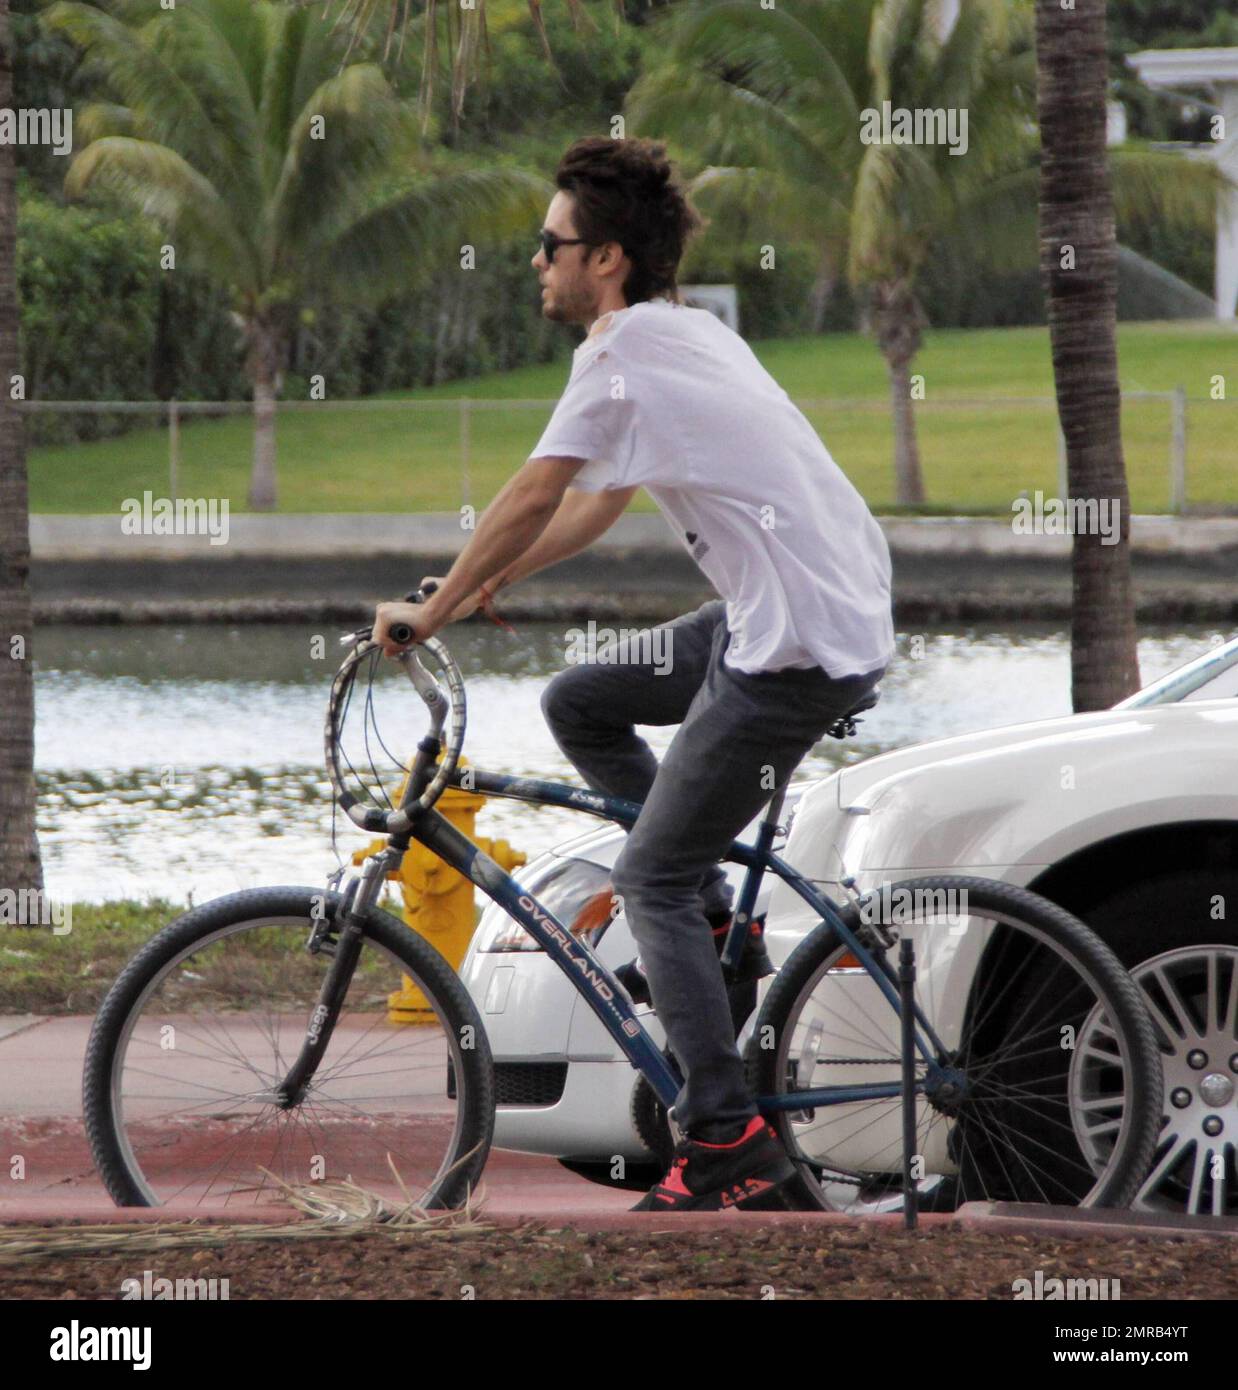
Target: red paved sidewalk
{"points": [[40, 1119]]}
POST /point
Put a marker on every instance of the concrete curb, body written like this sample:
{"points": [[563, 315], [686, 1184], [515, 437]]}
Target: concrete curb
{"points": [[39, 1213], [353, 534], [1076, 1222], [1201, 603], [998, 1218]]}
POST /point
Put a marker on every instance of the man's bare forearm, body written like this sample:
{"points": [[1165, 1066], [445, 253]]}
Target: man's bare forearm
{"points": [[580, 519], [508, 527], [508, 544]]}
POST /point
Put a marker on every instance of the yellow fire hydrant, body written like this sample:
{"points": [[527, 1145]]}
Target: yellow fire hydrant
{"points": [[438, 901]]}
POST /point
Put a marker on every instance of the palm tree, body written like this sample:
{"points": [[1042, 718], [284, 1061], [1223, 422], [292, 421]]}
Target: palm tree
{"points": [[1077, 212], [274, 167], [783, 104], [20, 865]]}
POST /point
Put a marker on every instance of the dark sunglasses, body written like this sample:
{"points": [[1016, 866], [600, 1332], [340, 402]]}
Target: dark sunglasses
{"points": [[551, 243]]}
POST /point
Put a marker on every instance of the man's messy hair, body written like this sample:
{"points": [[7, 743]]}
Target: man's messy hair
{"points": [[624, 191]]}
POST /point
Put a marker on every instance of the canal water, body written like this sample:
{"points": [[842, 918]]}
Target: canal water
{"points": [[180, 763]]}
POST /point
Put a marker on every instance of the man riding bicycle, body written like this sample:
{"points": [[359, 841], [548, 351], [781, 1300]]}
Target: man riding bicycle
{"points": [[668, 398]]}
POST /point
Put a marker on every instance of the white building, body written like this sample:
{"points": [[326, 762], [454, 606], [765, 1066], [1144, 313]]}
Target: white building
{"points": [[1216, 71]]}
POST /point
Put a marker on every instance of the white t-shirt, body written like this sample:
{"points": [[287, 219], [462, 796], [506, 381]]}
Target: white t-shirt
{"points": [[669, 398]]}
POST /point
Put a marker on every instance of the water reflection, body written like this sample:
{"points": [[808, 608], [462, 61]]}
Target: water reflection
{"points": [[186, 762]]}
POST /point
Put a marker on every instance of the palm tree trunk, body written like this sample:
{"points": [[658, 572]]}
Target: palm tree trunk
{"points": [[20, 865], [898, 321], [821, 293], [264, 375], [1078, 251]]}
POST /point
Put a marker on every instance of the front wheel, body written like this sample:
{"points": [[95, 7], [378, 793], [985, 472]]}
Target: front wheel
{"points": [[1053, 1075], [182, 1084]]}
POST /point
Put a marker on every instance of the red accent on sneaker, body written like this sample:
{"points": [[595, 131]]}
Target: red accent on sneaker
{"points": [[742, 1191], [750, 1130], [673, 1182]]}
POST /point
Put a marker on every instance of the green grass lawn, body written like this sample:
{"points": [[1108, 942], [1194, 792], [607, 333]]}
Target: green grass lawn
{"points": [[982, 440], [45, 973]]}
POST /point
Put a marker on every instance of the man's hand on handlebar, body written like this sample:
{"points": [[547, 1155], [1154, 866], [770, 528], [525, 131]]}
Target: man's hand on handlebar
{"points": [[389, 615], [420, 617]]}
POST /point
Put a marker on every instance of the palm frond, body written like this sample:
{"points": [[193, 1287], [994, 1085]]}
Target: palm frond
{"points": [[411, 233], [725, 123], [161, 184], [351, 128], [759, 202], [775, 50], [893, 29], [166, 108], [897, 209], [102, 118]]}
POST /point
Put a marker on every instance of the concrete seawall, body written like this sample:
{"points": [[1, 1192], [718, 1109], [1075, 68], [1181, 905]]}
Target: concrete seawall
{"points": [[333, 568]]}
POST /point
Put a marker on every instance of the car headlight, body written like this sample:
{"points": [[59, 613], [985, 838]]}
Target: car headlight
{"points": [[563, 887]]}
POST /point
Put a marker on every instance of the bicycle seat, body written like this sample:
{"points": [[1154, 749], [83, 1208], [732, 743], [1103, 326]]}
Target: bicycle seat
{"points": [[844, 725], [868, 701]]}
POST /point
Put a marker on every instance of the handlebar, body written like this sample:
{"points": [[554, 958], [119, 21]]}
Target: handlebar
{"points": [[402, 632], [429, 774]]}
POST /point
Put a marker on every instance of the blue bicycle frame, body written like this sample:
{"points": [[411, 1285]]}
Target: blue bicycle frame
{"points": [[590, 977]]}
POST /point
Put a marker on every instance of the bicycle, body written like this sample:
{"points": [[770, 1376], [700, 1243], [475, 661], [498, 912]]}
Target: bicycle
{"points": [[1022, 1066]]}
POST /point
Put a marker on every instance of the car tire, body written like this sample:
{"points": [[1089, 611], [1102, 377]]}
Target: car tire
{"points": [[1177, 934]]}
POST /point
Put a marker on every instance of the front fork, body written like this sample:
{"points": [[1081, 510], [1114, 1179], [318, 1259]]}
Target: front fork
{"points": [[340, 937]]}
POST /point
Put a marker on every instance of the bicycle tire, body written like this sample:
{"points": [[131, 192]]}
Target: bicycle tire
{"points": [[1132, 1151], [471, 1065]]}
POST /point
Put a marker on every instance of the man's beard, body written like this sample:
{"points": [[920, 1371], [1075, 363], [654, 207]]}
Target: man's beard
{"points": [[570, 305]]}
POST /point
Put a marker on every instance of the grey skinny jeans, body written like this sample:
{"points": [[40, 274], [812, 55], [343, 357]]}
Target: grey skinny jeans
{"points": [[741, 737]]}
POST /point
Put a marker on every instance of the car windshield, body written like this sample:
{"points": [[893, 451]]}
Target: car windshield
{"points": [[1213, 676]]}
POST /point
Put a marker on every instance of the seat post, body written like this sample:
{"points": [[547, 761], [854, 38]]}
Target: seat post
{"points": [[738, 935], [774, 809]]}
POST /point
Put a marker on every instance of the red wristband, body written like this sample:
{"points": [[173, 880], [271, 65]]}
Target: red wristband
{"points": [[488, 609]]}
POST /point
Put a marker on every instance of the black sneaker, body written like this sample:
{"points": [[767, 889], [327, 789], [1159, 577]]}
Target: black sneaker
{"points": [[746, 1172], [755, 963]]}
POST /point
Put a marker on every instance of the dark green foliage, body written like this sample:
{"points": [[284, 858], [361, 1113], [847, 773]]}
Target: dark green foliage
{"points": [[101, 321]]}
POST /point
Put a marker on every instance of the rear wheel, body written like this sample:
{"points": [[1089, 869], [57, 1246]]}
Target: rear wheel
{"points": [[1052, 1080], [188, 1052]]}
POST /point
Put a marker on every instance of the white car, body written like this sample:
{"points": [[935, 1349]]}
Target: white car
{"points": [[1127, 817]]}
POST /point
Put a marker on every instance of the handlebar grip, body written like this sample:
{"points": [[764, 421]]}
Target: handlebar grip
{"points": [[401, 632]]}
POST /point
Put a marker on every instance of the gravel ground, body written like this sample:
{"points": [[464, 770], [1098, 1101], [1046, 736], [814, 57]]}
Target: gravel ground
{"points": [[532, 1262]]}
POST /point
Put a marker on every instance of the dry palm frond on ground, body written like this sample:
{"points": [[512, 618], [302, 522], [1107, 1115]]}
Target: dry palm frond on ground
{"points": [[330, 1209]]}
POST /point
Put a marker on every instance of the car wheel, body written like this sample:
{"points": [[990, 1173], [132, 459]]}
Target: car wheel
{"points": [[1176, 936]]}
